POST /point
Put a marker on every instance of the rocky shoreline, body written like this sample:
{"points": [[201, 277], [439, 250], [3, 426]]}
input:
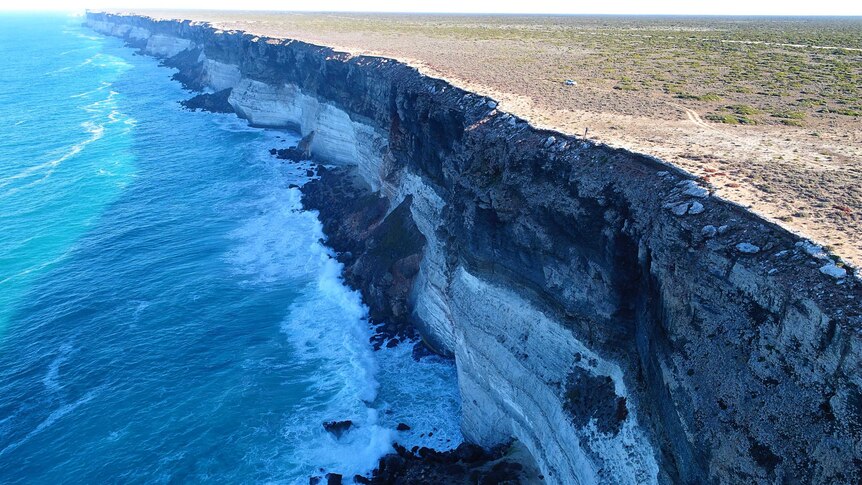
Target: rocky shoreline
{"points": [[604, 309], [380, 257], [465, 465], [380, 260], [358, 235]]}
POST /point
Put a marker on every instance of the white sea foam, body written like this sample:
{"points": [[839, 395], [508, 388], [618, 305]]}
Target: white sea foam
{"points": [[326, 326], [52, 418], [328, 329], [84, 63], [233, 124], [99, 60], [33, 269], [271, 247], [78, 49], [102, 87], [98, 106], [330, 325], [46, 169], [140, 306], [52, 376], [424, 395]]}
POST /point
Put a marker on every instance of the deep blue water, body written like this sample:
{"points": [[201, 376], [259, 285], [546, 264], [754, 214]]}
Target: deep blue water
{"points": [[167, 312]]}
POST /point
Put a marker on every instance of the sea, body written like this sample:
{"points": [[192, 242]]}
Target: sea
{"points": [[168, 311]]}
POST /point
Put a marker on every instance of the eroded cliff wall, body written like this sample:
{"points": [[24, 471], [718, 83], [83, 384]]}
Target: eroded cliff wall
{"points": [[603, 308]]}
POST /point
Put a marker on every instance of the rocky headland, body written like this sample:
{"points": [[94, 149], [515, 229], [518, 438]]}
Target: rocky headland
{"points": [[605, 310]]}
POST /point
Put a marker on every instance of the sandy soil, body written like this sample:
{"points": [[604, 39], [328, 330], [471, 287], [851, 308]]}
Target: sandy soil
{"points": [[650, 85]]}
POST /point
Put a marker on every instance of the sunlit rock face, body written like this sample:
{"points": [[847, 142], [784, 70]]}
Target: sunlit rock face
{"points": [[520, 395], [219, 75], [335, 136], [166, 45], [596, 301]]}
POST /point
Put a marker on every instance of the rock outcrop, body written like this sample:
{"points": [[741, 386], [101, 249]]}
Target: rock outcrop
{"points": [[213, 102], [603, 308], [465, 465]]}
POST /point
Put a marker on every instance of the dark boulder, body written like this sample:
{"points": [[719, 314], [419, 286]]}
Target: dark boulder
{"points": [[470, 453], [292, 154], [211, 102], [338, 428]]}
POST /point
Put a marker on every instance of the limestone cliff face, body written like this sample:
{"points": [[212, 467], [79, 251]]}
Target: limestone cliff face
{"points": [[603, 308]]}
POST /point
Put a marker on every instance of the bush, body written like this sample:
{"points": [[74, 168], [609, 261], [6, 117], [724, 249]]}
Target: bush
{"points": [[743, 109], [730, 119], [789, 115], [702, 97]]}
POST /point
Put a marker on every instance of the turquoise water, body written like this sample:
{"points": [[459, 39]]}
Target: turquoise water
{"points": [[167, 312]]}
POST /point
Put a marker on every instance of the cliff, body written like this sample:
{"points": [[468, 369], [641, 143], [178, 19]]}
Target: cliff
{"points": [[603, 308]]}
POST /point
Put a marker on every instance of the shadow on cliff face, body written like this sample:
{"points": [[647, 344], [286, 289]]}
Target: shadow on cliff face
{"points": [[380, 249], [592, 398]]}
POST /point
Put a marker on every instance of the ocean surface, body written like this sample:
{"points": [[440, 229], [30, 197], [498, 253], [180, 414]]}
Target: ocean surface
{"points": [[167, 312]]}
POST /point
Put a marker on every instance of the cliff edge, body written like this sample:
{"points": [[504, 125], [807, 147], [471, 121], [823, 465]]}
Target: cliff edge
{"points": [[603, 308]]}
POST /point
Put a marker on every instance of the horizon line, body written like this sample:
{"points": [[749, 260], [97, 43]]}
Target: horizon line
{"points": [[453, 13], [409, 12]]}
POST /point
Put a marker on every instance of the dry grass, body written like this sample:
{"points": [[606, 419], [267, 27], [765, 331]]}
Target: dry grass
{"points": [[768, 110]]}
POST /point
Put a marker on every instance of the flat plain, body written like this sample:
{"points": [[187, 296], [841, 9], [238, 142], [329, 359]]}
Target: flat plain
{"points": [[768, 110]]}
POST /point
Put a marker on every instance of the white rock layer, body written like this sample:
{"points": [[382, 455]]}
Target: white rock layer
{"points": [[511, 360], [219, 75], [337, 138], [167, 46]]}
